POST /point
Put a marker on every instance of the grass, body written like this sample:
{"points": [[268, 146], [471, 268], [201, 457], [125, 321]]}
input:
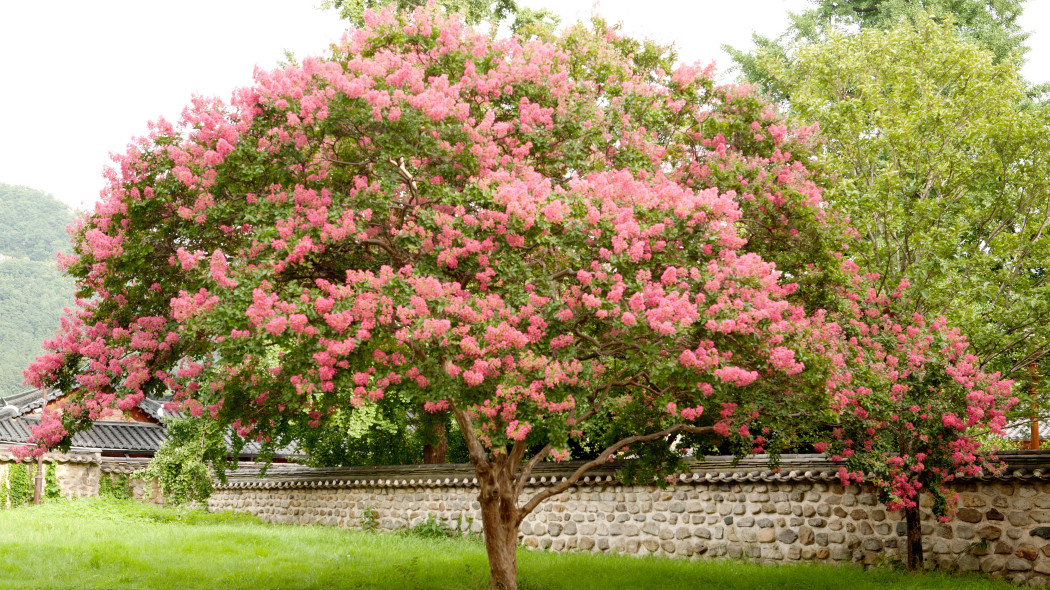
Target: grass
{"points": [[122, 544]]}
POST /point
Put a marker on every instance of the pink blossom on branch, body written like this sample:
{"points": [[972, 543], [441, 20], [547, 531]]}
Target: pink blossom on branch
{"points": [[431, 218]]}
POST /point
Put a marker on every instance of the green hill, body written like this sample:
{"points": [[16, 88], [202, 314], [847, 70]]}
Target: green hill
{"points": [[32, 224], [32, 290]]}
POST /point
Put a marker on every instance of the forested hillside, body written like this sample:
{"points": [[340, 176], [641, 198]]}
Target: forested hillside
{"points": [[32, 290]]}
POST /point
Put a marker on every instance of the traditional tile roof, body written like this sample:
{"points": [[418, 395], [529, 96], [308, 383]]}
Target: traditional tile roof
{"points": [[1021, 465], [106, 436], [30, 399], [122, 437]]}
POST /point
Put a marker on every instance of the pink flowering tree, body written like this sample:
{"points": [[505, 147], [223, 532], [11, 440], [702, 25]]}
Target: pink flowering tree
{"points": [[908, 404], [538, 237]]}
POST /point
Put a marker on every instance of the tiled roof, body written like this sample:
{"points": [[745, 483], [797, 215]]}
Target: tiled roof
{"points": [[155, 409], [30, 399], [106, 436], [1020, 465], [120, 437]]}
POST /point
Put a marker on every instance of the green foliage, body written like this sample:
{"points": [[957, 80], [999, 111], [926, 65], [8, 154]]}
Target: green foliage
{"points": [[377, 434], [432, 528], [32, 290], [32, 296], [18, 488], [991, 24], [185, 462], [51, 489], [476, 12], [942, 169], [116, 487], [20, 485], [370, 520], [392, 433], [32, 224]]}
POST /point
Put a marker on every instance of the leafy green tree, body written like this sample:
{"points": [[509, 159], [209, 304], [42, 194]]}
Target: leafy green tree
{"points": [[989, 23], [475, 12], [942, 170], [399, 432], [536, 235], [183, 465]]}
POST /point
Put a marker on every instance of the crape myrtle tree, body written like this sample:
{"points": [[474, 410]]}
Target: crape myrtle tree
{"points": [[494, 13], [907, 398], [939, 163], [535, 236]]}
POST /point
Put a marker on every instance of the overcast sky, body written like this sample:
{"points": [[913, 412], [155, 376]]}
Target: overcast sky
{"points": [[82, 78]]}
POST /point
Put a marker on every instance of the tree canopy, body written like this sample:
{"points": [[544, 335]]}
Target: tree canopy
{"points": [[494, 13], [941, 167], [991, 24], [553, 240]]}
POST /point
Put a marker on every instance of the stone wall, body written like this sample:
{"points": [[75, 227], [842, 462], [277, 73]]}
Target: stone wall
{"points": [[78, 473], [717, 511]]}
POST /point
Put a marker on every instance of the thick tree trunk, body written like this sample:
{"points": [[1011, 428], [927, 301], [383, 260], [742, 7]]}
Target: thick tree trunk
{"points": [[435, 449], [501, 543], [914, 538]]}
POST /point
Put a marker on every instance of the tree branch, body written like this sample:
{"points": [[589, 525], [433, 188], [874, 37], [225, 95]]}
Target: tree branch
{"points": [[603, 458], [526, 470], [474, 448]]}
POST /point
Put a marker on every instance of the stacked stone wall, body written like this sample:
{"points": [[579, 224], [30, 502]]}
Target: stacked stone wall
{"points": [[78, 474], [1002, 526]]}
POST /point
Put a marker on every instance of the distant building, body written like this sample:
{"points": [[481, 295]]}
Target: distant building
{"points": [[134, 434]]}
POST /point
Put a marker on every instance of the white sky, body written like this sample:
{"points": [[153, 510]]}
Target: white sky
{"points": [[81, 78]]}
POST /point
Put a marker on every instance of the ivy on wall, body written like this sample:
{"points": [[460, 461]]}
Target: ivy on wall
{"points": [[16, 485], [19, 485]]}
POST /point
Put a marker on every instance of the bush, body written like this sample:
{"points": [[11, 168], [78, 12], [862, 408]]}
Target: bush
{"points": [[116, 487]]}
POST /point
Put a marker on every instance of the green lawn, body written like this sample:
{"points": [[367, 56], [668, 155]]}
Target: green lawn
{"points": [[111, 544]]}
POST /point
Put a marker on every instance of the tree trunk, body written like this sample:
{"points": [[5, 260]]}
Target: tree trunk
{"points": [[914, 538], [501, 540], [435, 446], [38, 486]]}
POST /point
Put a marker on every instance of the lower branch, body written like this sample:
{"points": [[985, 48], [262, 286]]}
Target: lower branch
{"points": [[603, 458]]}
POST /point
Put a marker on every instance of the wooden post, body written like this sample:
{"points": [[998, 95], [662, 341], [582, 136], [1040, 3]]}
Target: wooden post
{"points": [[1035, 442], [38, 489]]}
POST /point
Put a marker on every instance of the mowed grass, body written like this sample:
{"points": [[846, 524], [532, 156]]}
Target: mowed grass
{"points": [[112, 544]]}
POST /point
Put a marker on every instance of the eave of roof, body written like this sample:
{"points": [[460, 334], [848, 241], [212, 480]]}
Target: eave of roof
{"points": [[1020, 465], [105, 436]]}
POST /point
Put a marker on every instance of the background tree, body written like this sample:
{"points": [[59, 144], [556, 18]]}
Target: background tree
{"points": [[938, 160], [941, 168], [493, 13], [534, 236], [992, 24], [194, 451]]}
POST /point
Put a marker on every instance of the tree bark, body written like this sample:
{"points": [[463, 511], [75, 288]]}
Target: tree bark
{"points": [[435, 449], [502, 475], [501, 540], [914, 538]]}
